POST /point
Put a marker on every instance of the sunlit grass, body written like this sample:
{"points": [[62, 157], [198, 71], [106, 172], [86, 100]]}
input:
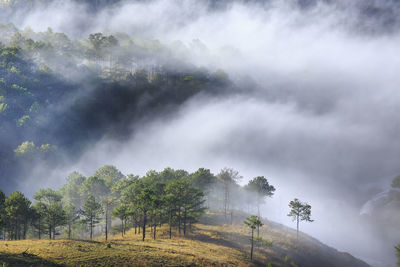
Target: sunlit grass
{"points": [[205, 245], [124, 251]]}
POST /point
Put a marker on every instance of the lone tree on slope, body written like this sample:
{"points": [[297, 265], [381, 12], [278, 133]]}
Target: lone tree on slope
{"points": [[252, 222], [299, 211]]}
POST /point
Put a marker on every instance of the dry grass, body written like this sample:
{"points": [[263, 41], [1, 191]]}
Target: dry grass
{"points": [[207, 245], [126, 251]]}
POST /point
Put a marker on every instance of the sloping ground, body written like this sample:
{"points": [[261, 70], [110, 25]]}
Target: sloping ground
{"points": [[286, 250], [207, 245]]}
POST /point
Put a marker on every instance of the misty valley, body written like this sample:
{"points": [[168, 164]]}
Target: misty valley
{"points": [[199, 133]]}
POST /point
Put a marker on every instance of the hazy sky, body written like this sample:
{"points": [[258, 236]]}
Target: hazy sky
{"points": [[321, 123]]}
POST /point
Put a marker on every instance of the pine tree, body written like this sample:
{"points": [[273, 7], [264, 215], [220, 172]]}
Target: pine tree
{"points": [[91, 212], [252, 222], [299, 212]]}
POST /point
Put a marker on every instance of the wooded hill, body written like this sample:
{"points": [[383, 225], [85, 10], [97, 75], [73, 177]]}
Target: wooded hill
{"points": [[58, 95], [166, 218]]}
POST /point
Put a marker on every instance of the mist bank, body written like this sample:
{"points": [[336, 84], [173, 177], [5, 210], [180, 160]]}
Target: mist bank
{"points": [[317, 114], [155, 17], [300, 156]]}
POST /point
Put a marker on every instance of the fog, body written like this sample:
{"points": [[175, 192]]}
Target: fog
{"points": [[319, 118]]}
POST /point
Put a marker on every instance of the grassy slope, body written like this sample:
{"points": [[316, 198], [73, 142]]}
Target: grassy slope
{"points": [[214, 245]]}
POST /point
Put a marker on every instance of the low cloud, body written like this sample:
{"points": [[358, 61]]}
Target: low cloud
{"points": [[319, 118]]}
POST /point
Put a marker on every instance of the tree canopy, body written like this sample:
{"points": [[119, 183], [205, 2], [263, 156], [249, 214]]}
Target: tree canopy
{"points": [[299, 211]]}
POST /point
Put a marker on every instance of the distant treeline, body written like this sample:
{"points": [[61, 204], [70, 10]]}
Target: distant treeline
{"points": [[88, 207]]}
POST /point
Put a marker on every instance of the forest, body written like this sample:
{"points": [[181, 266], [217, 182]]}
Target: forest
{"points": [[88, 207], [54, 92]]}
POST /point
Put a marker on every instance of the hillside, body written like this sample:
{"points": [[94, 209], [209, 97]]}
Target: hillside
{"points": [[52, 105], [215, 245]]}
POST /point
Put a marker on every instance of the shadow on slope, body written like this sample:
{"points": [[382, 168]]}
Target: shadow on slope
{"points": [[24, 259]]}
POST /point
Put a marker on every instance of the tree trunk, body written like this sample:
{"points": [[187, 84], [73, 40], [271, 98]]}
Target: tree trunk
{"points": [[155, 229], [226, 202], [40, 224], [54, 231], [91, 228], [184, 223], [297, 234], [170, 224], [252, 240], [144, 225], [69, 229], [179, 220], [106, 222], [122, 227], [18, 232], [109, 220], [50, 231], [25, 228]]}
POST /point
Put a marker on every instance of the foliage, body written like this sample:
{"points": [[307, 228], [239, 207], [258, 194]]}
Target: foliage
{"points": [[398, 254], [29, 150], [17, 211], [174, 197], [203, 179], [262, 188], [50, 209], [91, 212], [253, 222], [299, 211], [44, 96], [229, 178]]}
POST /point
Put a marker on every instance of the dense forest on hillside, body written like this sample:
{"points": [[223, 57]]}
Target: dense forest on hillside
{"points": [[58, 95]]}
